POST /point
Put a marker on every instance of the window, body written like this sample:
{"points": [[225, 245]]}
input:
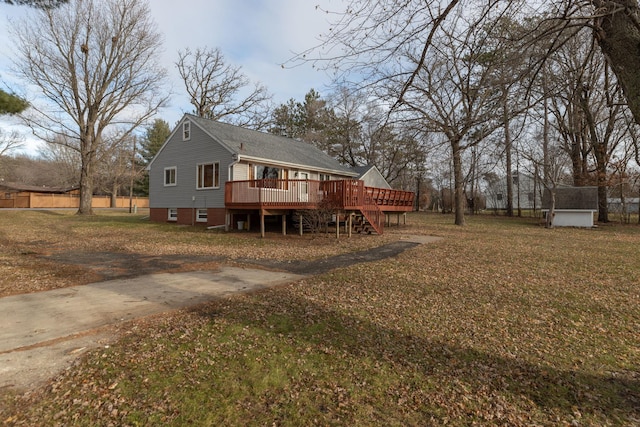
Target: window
{"points": [[499, 196], [208, 176], [270, 176], [186, 131], [172, 214], [530, 197], [267, 172], [201, 215], [325, 177], [170, 176]]}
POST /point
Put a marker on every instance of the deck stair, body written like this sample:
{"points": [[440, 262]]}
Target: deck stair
{"points": [[361, 225], [373, 215]]}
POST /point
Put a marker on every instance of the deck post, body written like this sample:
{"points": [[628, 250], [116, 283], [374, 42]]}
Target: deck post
{"points": [[226, 221], [337, 224], [300, 223], [350, 223], [262, 223], [398, 219], [284, 224]]}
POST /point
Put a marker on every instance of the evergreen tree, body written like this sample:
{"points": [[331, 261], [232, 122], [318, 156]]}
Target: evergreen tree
{"points": [[155, 137], [11, 104]]}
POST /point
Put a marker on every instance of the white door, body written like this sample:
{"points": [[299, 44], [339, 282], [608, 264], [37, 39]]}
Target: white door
{"points": [[304, 186]]}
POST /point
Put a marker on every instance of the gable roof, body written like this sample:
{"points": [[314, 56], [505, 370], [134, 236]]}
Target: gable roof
{"points": [[371, 175], [580, 198], [362, 170], [19, 187], [261, 146]]}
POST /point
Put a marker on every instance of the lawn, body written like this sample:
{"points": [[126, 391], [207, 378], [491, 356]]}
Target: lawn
{"points": [[502, 322]]}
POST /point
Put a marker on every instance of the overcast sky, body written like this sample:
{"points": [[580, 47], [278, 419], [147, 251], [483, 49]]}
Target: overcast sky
{"points": [[257, 35]]}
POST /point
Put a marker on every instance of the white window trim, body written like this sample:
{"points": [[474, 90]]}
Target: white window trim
{"points": [[214, 175], [164, 176], [186, 131], [172, 214], [199, 216]]}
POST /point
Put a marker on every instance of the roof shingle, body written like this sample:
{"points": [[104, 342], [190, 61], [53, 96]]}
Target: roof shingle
{"points": [[269, 147]]}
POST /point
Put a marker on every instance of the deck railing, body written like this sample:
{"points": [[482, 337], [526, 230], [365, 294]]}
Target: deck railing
{"points": [[310, 194]]}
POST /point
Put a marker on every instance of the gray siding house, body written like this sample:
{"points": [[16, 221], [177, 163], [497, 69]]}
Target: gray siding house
{"points": [[526, 194], [208, 172], [371, 176]]}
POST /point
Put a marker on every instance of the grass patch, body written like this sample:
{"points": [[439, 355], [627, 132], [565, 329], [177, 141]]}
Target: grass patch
{"points": [[502, 322]]}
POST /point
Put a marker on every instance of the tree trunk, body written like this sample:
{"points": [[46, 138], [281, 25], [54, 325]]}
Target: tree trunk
{"points": [[552, 208], [459, 182], [618, 35], [508, 160], [601, 176], [114, 195], [86, 188]]}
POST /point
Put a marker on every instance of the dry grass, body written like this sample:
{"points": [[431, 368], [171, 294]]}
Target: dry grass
{"points": [[42, 250], [501, 323]]}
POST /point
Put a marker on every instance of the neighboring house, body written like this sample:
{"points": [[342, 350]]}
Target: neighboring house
{"points": [[17, 195], [630, 205], [574, 206], [218, 174], [526, 193], [371, 176]]}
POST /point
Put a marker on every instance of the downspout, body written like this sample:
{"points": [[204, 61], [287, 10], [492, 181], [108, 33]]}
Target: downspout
{"points": [[227, 218]]}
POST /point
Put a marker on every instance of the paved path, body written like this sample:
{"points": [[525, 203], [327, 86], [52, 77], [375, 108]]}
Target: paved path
{"points": [[42, 333]]}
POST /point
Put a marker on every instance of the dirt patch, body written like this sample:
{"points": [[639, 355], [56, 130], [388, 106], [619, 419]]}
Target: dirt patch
{"points": [[321, 266], [115, 265], [105, 265]]}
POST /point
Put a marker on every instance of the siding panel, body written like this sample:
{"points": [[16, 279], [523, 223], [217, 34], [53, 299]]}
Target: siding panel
{"points": [[185, 156]]}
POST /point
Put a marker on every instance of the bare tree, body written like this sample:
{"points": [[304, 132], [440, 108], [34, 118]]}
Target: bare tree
{"points": [[8, 142], [548, 163], [66, 160], [453, 93], [617, 29], [95, 63], [216, 89], [116, 166], [43, 4], [367, 37], [588, 107], [375, 30]]}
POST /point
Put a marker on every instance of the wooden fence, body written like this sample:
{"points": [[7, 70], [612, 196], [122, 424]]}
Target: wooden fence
{"points": [[60, 201]]}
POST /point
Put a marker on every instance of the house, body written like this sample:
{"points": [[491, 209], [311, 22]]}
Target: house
{"points": [[626, 206], [574, 206], [526, 192], [371, 176], [217, 174], [23, 196], [18, 195]]}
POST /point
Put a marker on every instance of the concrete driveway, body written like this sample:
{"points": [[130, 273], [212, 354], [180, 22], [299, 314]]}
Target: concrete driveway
{"points": [[43, 333]]}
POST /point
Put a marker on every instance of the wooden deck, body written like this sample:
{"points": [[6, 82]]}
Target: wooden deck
{"points": [[275, 195]]}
